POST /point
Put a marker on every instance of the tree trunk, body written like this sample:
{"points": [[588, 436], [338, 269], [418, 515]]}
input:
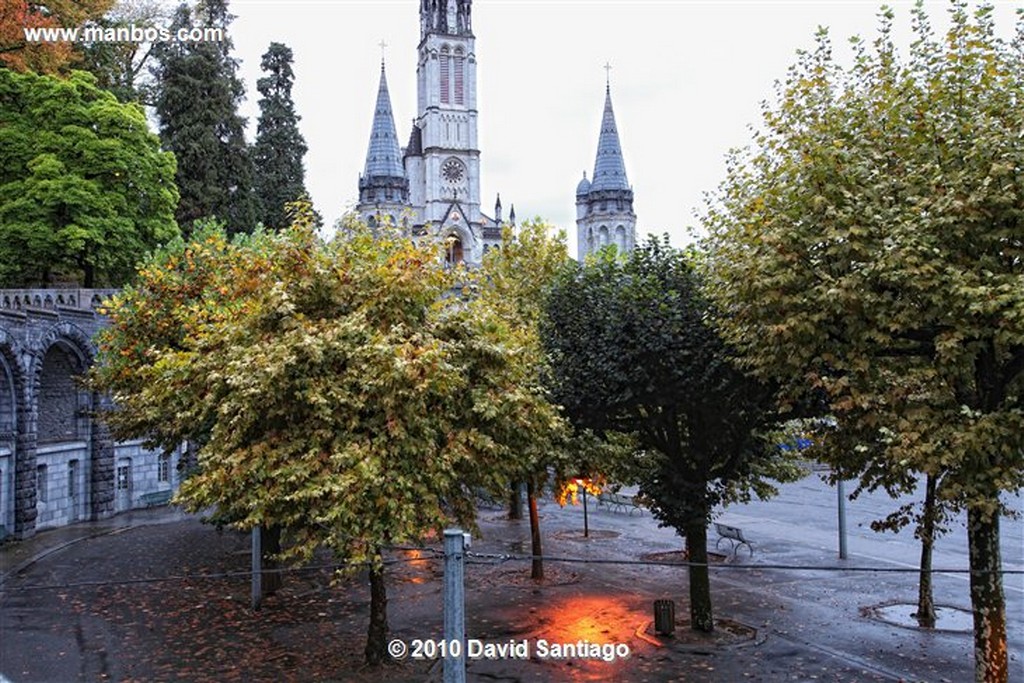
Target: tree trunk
{"points": [[377, 635], [701, 617], [537, 571], [515, 501], [987, 599], [270, 542], [925, 598]]}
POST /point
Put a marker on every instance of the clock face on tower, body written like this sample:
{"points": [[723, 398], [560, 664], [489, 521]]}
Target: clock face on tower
{"points": [[453, 171]]}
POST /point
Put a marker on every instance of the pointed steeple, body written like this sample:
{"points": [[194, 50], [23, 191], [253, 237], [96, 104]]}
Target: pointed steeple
{"points": [[604, 204], [609, 169], [384, 157], [383, 187]]}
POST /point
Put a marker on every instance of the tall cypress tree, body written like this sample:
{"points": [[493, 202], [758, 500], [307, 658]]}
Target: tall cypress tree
{"points": [[279, 147], [197, 103]]}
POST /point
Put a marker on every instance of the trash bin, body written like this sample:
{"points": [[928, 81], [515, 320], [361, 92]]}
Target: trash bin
{"points": [[664, 617]]}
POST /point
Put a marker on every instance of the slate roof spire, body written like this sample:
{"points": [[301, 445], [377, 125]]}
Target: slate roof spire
{"points": [[384, 156], [609, 169]]}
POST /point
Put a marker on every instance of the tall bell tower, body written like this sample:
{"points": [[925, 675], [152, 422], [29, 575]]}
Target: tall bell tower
{"points": [[442, 159]]}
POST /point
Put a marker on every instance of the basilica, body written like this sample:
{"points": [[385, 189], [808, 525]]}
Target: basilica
{"points": [[432, 185]]}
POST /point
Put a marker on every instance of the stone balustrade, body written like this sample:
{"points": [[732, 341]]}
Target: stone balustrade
{"points": [[51, 299]]}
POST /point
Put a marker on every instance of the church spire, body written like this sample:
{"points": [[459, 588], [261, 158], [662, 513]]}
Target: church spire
{"points": [[609, 169], [384, 157], [604, 204], [383, 187]]}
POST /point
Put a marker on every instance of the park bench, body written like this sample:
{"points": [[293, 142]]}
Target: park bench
{"points": [[619, 502], [156, 498], [735, 537]]}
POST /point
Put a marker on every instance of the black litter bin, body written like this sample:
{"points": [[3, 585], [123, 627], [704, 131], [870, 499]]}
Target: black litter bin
{"points": [[664, 617]]}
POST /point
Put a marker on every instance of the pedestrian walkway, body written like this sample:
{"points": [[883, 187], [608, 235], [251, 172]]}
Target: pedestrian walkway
{"points": [[17, 555], [156, 596]]}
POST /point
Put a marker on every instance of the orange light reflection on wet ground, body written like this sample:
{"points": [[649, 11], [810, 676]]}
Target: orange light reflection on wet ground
{"points": [[594, 619]]}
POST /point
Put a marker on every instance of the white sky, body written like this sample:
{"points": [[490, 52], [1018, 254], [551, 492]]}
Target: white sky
{"points": [[687, 81]]}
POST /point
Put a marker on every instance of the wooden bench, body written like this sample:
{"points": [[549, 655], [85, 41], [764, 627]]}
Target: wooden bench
{"points": [[617, 501], [156, 498], [735, 537]]}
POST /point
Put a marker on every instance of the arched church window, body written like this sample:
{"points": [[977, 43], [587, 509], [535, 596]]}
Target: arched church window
{"points": [[459, 77], [620, 237], [603, 235], [590, 239], [445, 78]]}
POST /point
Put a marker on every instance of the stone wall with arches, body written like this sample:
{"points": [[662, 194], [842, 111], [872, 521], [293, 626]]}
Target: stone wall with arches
{"points": [[57, 460]]}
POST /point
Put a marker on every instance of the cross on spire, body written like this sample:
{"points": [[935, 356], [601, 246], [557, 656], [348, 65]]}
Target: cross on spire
{"points": [[382, 46], [608, 74]]}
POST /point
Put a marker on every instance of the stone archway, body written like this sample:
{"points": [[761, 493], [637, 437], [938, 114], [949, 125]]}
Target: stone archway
{"points": [[68, 469]]}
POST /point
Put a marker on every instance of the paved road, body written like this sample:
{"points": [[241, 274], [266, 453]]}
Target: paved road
{"points": [[813, 623]]}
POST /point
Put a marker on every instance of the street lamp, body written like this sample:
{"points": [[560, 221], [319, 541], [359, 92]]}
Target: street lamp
{"points": [[581, 483]]}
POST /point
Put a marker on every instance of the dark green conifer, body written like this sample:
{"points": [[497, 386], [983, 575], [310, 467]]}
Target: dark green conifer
{"points": [[197, 103], [279, 147]]}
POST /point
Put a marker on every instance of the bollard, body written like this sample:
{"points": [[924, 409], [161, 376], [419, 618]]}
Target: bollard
{"points": [[664, 617]]}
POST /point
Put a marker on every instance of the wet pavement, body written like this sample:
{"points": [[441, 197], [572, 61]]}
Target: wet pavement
{"points": [[157, 596]]}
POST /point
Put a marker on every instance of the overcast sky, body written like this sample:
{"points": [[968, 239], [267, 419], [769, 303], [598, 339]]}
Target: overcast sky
{"points": [[687, 81]]}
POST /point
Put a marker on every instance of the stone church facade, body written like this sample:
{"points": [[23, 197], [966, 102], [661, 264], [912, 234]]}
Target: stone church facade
{"points": [[58, 464], [432, 185]]}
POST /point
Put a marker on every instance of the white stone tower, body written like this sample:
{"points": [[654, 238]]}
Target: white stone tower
{"points": [[604, 204], [442, 160], [432, 186]]}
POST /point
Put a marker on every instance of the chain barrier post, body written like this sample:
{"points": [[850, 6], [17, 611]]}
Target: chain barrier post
{"points": [[257, 568], [454, 606]]}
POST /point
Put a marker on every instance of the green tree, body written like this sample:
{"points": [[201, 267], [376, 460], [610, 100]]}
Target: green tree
{"points": [[512, 285], [631, 351], [85, 191], [279, 147], [869, 246], [347, 396], [122, 66], [198, 93]]}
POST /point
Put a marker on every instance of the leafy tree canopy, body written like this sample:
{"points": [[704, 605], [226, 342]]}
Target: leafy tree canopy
{"points": [[122, 66], [43, 57], [346, 394], [85, 191], [631, 351], [869, 245]]}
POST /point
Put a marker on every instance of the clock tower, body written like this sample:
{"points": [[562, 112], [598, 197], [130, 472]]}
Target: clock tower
{"points": [[443, 158], [432, 186]]}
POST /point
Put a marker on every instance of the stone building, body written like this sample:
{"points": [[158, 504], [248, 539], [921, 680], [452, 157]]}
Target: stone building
{"points": [[432, 186], [58, 463], [604, 204]]}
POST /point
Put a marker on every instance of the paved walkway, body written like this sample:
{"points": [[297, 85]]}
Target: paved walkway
{"points": [[153, 596]]}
